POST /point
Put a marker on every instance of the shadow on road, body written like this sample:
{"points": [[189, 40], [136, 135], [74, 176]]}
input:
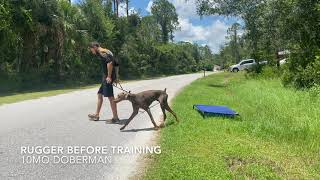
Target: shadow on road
{"points": [[137, 130], [108, 121]]}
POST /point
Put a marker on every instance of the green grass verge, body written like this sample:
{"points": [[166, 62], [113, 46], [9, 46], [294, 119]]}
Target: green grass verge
{"points": [[16, 97], [276, 136]]}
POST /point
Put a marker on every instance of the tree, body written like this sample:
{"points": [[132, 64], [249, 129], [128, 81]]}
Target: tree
{"points": [[148, 30], [276, 25], [99, 25], [108, 4], [45, 42], [233, 33], [207, 59], [167, 17], [116, 4], [249, 11]]}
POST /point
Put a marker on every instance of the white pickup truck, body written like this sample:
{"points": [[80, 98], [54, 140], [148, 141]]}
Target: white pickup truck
{"points": [[244, 64]]}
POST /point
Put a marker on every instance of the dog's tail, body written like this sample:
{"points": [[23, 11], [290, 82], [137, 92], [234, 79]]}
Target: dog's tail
{"points": [[165, 90]]}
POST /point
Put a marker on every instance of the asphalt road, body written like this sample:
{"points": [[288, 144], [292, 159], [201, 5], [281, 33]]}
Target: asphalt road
{"points": [[62, 121]]}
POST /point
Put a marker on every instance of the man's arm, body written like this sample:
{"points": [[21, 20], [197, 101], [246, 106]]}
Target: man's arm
{"points": [[109, 67]]}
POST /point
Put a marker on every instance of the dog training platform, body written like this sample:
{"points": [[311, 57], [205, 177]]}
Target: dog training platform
{"points": [[207, 110]]}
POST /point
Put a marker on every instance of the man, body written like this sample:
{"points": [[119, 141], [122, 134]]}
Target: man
{"points": [[108, 77]]}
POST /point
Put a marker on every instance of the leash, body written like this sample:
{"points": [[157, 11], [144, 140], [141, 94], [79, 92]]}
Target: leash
{"points": [[142, 112], [122, 89]]}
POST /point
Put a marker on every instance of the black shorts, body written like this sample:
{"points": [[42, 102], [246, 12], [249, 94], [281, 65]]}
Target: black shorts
{"points": [[106, 89]]}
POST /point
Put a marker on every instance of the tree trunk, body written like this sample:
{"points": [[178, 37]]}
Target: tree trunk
{"points": [[18, 56], [58, 50], [117, 5], [236, 46], [28, 53], [127, 7], [165, 32], [114, 6]]}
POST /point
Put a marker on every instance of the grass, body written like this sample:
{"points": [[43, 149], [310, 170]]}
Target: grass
{"points": [[276, 136], [21, 96]]}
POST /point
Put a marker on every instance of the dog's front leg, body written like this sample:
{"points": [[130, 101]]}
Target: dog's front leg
{"points": [[134, 113], [152, 120], [167, 107]]}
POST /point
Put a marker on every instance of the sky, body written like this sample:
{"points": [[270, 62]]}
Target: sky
{"points": [[209, 30]]}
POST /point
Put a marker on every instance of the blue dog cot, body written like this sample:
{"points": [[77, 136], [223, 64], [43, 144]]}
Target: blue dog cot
{"points": [[215, 110]]}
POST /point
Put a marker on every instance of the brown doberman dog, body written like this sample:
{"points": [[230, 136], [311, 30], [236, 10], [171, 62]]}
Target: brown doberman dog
{"points": [[143, 100]]}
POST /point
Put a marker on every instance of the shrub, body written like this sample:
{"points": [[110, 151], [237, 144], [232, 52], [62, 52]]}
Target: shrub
{"points": [[315, 91], [269, 72], [300, 75]]}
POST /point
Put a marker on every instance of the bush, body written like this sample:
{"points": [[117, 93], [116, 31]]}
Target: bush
{"points": [[315, 91], [264, 72], [302, 76], [269, 72]]}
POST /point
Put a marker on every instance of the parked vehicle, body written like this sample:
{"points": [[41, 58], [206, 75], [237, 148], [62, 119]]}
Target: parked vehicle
{"points": [[245, 64], [216, 68], [242, 65], [283, 61]]}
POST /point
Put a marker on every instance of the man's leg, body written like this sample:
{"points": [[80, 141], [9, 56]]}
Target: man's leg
{"points": [[108, 92], [99, 104], [96, 115], [113, 108]]}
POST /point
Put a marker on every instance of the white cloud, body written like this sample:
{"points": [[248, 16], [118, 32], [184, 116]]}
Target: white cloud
{"points": [[148, 9], [185, 8], [123, 10], [212, 35]]}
